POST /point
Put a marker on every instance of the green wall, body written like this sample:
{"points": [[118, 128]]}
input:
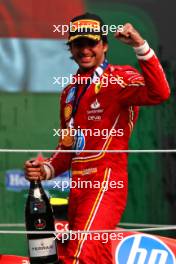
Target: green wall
{"points": [[26, 121]]}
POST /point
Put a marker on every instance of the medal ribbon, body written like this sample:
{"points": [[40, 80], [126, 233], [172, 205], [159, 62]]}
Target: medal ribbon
{"points": [[97, 73]]}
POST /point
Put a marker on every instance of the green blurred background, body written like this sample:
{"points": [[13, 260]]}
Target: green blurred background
{"points": [[27, 120]]}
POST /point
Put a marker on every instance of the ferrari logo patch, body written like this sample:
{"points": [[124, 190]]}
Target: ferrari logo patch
{"points": [[97, 88]]}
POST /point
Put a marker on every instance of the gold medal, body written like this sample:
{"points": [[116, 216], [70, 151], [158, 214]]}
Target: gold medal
{"points": [[67, 138]]}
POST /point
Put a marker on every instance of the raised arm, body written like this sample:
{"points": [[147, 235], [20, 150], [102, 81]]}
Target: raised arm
{"points": [[151, 87]]}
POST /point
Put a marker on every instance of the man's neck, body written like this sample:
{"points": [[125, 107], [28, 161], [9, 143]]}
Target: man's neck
{"points": [[87, 70]]}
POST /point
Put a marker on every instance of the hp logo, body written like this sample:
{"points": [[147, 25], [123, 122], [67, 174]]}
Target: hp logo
{"points": [[143, 249]]}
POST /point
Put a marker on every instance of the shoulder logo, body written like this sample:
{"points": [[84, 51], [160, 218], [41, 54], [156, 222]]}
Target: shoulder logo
{"points": [[71, 95], [67, 111], [95, 105]]}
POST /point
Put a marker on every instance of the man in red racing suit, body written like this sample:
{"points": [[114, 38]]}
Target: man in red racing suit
{"points": [[105, 118]]}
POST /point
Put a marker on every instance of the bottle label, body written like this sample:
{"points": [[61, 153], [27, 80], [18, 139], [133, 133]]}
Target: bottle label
{"points": [[37, 207], [42, 247]]}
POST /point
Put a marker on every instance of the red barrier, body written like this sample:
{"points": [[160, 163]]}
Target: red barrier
{"points": [[11, 259]]}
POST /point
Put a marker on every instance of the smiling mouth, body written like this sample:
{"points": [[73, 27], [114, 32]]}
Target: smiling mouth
{"points": [[86, 58]]}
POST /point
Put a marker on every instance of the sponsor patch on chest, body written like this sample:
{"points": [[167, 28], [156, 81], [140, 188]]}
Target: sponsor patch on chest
{"points": [[95, 111]]}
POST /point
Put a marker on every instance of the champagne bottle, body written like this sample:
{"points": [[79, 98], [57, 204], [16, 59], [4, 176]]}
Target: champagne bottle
{"points": [[39, 217]]}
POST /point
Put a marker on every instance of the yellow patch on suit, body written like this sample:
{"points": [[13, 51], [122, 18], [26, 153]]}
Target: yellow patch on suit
{"points": [[67, 111]]}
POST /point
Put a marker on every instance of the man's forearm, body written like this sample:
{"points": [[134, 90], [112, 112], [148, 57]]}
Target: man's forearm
{"points": [[57, 164]]}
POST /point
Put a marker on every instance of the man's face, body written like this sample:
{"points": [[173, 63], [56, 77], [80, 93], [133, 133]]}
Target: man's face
{"points": [[88, 53]]}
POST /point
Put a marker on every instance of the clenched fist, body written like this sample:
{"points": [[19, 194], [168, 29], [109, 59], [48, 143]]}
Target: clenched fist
{"points": [[129, 36], [34, 170]]}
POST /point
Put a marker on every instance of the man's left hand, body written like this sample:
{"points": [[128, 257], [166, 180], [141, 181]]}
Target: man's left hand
{"points": [[129, 36]]}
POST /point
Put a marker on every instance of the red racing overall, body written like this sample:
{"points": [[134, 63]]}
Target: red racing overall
{"points": [[113, 106]]}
